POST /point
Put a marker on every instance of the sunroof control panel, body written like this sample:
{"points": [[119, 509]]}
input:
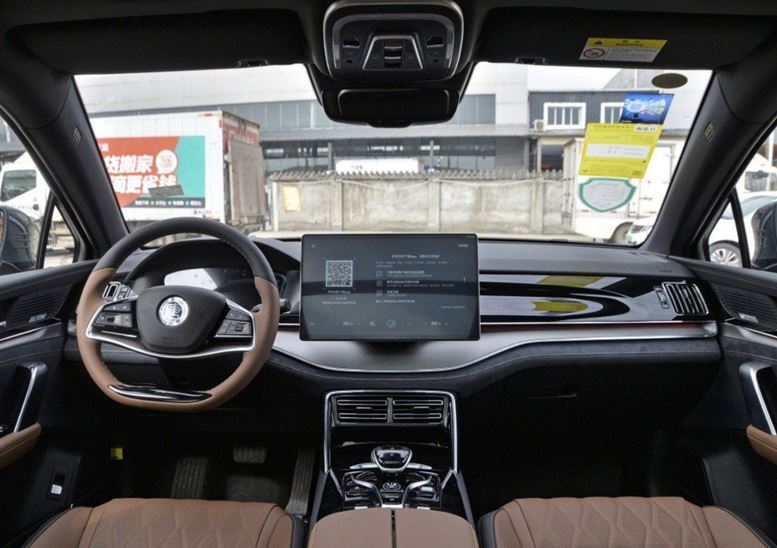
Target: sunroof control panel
{"points": [[382, 42]]}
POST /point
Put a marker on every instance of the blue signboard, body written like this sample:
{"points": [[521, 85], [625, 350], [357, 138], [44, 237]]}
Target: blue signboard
{"points": [[645, 108]]}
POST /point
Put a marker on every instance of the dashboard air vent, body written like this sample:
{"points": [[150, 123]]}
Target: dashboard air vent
{"points": [[418, 409], [354, 409], [685, 298]]}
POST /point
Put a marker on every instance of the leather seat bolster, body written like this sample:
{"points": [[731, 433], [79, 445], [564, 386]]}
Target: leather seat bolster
{"points": [[728, 529], [486, 532], [62, 531], [152, 522], [623, 521]]}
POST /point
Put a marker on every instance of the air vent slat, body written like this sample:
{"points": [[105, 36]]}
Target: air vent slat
{"points": [[418, 410], [686, 298], [355, 409]]}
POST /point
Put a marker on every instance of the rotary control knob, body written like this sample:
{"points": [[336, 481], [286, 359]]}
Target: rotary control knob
{"points": [[392, 458]]}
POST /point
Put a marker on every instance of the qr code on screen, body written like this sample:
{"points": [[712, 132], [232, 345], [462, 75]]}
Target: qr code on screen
{"points": [[339, 274]]}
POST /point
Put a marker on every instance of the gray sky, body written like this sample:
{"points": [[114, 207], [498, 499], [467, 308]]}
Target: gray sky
{"points": [[544, 78]]}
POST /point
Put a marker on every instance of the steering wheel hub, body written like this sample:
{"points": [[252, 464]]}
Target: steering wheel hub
{"points": [[173, 311], [178, 319]]}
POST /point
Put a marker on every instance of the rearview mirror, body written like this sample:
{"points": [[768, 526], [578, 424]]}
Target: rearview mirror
{"points": [[17, 241]]}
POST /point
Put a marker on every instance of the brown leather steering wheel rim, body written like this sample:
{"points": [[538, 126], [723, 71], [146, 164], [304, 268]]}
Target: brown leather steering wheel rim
{"points": [[265, 320]]}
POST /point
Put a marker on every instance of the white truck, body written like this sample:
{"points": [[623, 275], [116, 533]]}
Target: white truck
{"points": [[648, 193], [23, 187], [203, 164]]}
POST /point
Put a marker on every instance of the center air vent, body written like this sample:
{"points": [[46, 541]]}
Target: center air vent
{"points": [[685, 298], [421, 408], [361, 409], [418, 409]]}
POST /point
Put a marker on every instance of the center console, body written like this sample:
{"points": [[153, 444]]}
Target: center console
{"points": [[391, 449]]}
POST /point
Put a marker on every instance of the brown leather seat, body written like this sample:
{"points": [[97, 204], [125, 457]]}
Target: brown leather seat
{"points": [[610, 522], [172, 523]]}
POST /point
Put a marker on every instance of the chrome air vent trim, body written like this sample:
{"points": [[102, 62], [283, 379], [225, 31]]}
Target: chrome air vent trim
{"points": [[418, 409], [685, 298], [353, 409]]}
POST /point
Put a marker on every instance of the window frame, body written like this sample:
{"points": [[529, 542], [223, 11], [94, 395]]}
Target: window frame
{"points": [[739, 222], [582, 119], [608, 104]]}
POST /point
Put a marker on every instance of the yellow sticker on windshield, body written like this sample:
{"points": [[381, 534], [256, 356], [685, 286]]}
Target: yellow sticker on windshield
{"points": [[632, 50], [618, 150]]}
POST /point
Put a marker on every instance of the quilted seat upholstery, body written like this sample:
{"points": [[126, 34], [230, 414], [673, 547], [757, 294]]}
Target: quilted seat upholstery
{"points": [[170, 523], [614, 522]]}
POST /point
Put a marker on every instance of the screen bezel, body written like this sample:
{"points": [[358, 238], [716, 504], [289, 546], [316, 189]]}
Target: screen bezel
{"points": [[304, 334]]}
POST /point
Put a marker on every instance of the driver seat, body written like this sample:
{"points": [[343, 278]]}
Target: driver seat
{"points": [[172, 523]]}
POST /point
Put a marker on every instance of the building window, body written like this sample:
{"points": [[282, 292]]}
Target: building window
{"points": [[610, 113], [564, 115]]}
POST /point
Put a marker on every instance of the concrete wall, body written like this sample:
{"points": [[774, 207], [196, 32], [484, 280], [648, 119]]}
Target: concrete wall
{"points": [[512, 204]]}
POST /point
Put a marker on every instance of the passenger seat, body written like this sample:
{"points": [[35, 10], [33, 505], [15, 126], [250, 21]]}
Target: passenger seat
{"points": [[609, 522]]}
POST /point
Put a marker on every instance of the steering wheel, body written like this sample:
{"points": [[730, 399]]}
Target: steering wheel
{"points": [[177, 322]]}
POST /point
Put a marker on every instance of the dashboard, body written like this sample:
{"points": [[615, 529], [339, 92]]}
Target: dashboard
{"points": [[530, 294]]}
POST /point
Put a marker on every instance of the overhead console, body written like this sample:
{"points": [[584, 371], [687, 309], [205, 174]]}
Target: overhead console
{"points": [[389, 42], [392, 64]]}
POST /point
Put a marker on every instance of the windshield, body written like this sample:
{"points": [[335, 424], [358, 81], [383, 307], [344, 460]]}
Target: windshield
{"points": [[573, 154]]}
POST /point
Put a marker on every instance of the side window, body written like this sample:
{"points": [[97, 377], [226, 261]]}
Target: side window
{"points": [[723, 244], [24, 215], [746, 235]]}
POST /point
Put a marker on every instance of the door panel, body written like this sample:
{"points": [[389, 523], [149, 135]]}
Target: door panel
{"points": [[741, 407], [35, 307]]}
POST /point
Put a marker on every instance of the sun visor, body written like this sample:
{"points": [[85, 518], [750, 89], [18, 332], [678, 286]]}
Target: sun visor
{"points": [[562, 37]]}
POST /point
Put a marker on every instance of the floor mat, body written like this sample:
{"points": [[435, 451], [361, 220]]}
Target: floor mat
{"points": [[222, 469], [189, 478], [256, 489], [302, 481]]}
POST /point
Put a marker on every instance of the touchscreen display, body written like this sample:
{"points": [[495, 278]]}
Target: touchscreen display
{"points": [[390, 287]]}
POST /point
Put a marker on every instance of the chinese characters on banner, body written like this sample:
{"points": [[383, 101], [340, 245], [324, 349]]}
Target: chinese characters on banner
{"points": [[156, 171]]}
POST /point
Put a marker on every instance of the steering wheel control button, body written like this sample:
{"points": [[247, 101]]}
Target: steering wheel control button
{"points": [[238, 315], [173, 311], [124, 320], [239, 328], [224, 327], [114, 320], [125, 306]]}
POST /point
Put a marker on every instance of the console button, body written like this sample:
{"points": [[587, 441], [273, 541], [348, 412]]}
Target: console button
{"points": [[391, 457], [392, 486]]}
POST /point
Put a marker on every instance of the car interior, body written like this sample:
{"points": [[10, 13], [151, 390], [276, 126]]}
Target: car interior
{"points": [[502, 392]]}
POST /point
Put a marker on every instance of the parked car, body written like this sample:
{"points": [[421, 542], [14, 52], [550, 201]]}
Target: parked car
{"points": [[724, 248]]}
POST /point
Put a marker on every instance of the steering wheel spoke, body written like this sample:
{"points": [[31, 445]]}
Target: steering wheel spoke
{"points": [[117, 323], [237, 324], [115, 319]]}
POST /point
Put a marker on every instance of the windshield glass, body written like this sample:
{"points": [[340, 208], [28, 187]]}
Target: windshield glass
{"points": [[573, 154]]}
